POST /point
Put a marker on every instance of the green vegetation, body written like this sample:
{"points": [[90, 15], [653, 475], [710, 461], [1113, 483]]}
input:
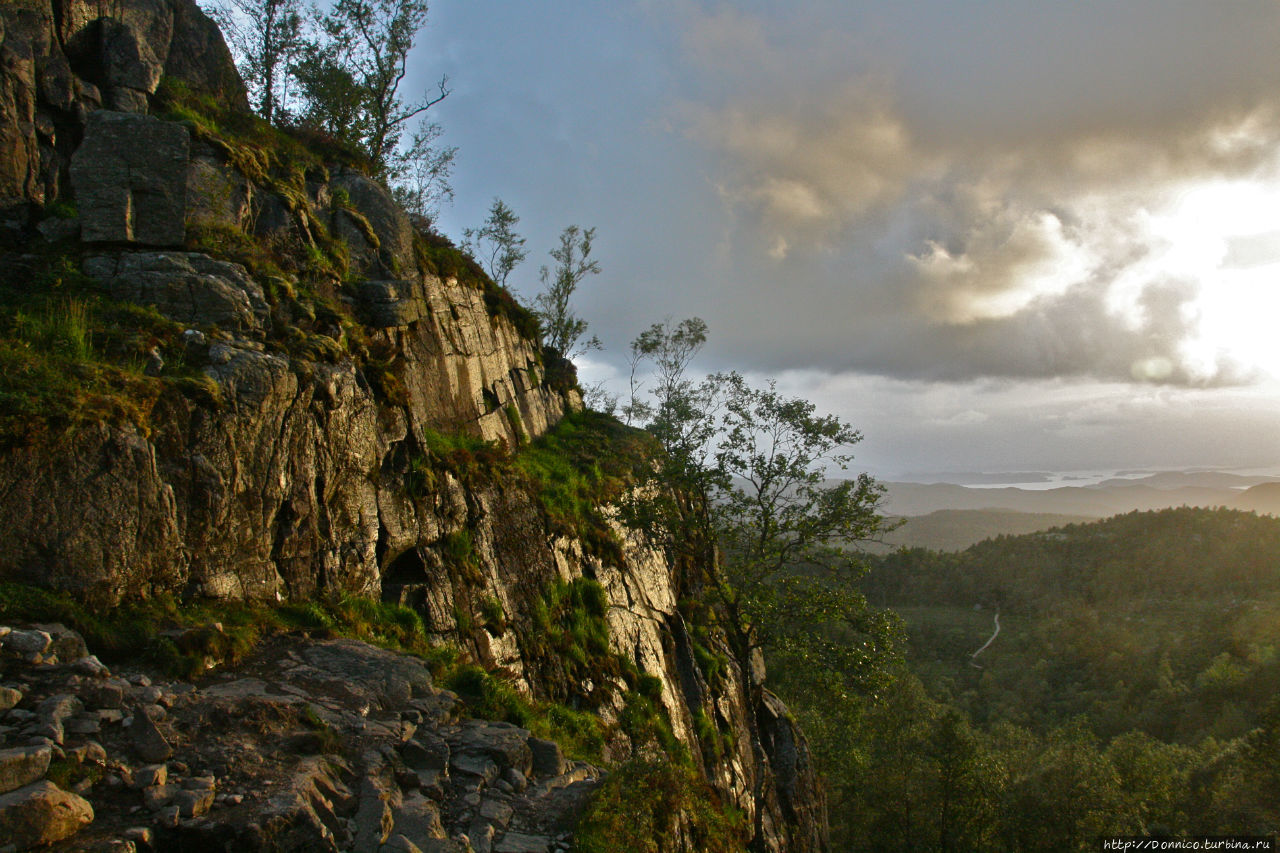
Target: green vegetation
{"points": [[186, 638], [648, 802], [576, 469], [70, 357], [517, 424], [1163, 621], [1130, 690], [569, 620], [68, 772], [495, 618], [328, 741], [460, 551]]}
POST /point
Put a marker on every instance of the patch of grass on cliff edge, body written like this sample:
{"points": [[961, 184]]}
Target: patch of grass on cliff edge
{"points": [[184, 639], [71, 357], [584, 463], [646, 803]]}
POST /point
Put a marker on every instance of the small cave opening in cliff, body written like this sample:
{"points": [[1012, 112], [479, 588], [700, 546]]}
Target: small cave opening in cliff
{"points": [[405, 579]]}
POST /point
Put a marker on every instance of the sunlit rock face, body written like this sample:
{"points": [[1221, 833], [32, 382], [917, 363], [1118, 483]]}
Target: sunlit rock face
{"points": [[285, 468]]}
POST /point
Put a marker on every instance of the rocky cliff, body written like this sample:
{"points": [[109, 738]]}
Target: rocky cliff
{"points": [[270, 386]]}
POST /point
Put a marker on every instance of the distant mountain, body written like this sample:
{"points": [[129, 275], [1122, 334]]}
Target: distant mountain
{"points": [[1111, 497], [1181, 479], [1262, 499], [957, 529]]}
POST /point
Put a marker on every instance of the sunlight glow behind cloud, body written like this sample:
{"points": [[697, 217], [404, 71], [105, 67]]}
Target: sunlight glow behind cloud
{"points": [[1129, 253]]}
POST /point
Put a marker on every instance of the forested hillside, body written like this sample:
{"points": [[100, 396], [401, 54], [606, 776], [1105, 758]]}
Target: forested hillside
{"points": [[1129, 689]]}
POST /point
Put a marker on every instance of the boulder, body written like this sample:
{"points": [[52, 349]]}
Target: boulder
{"points": [[192, 804], [41, 813], [23, 765], [418, 817], [90, 32], [186, 286], [127, 59], [217, 194], [33, 642], [130, 178], [367, 675], [376, 216], [548, 760], [199, 57], [9, 697], [148, 741]]}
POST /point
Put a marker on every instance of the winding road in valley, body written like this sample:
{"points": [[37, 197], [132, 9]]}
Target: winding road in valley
{"points": [[973, 659]]}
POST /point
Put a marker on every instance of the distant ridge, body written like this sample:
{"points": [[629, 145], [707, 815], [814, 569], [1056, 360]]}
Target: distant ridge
{"points": [[1263, 499], [957, 529], [1110, 497]]}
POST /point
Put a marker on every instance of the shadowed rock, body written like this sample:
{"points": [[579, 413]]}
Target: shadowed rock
{"points": [[130, 178]]}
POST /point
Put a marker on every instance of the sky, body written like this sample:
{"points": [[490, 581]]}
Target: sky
{"points": [[994, 236]]}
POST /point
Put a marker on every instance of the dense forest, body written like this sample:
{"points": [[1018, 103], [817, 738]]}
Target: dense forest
{"points": [[1129, 689]]}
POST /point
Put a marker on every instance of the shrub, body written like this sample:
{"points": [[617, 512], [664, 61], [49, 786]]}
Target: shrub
{"points": [[495, 618], [644, 805], [488, 696]]}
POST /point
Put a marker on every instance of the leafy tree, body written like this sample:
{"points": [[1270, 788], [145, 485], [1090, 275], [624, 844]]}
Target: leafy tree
{"points": [[917, 778], [745, 469], [351, 82], [682, 415], [780, 511], [333, 98], [562, 330], [496, 243], [672, 349], [1154, 777], [267, 36], [1064, 795]]}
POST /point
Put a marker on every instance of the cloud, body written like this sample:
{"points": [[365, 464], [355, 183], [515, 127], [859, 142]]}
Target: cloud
{"points": [[1015, 425], [723, 39], [805, 170], [1058, 250]]}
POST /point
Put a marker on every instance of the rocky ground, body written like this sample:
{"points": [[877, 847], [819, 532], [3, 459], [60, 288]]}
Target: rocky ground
{"points": [[308, 745]]}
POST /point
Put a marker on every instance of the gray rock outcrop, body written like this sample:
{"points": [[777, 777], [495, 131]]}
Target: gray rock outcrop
{"points": [[186, 286], [61, 60], [245, 766], [130, 179]]}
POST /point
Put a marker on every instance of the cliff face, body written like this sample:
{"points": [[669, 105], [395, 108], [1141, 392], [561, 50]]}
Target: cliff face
{"points": [[307, 443]]}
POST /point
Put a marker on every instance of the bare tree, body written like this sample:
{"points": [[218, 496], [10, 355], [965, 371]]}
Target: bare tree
{"points": [[424, 168]]}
